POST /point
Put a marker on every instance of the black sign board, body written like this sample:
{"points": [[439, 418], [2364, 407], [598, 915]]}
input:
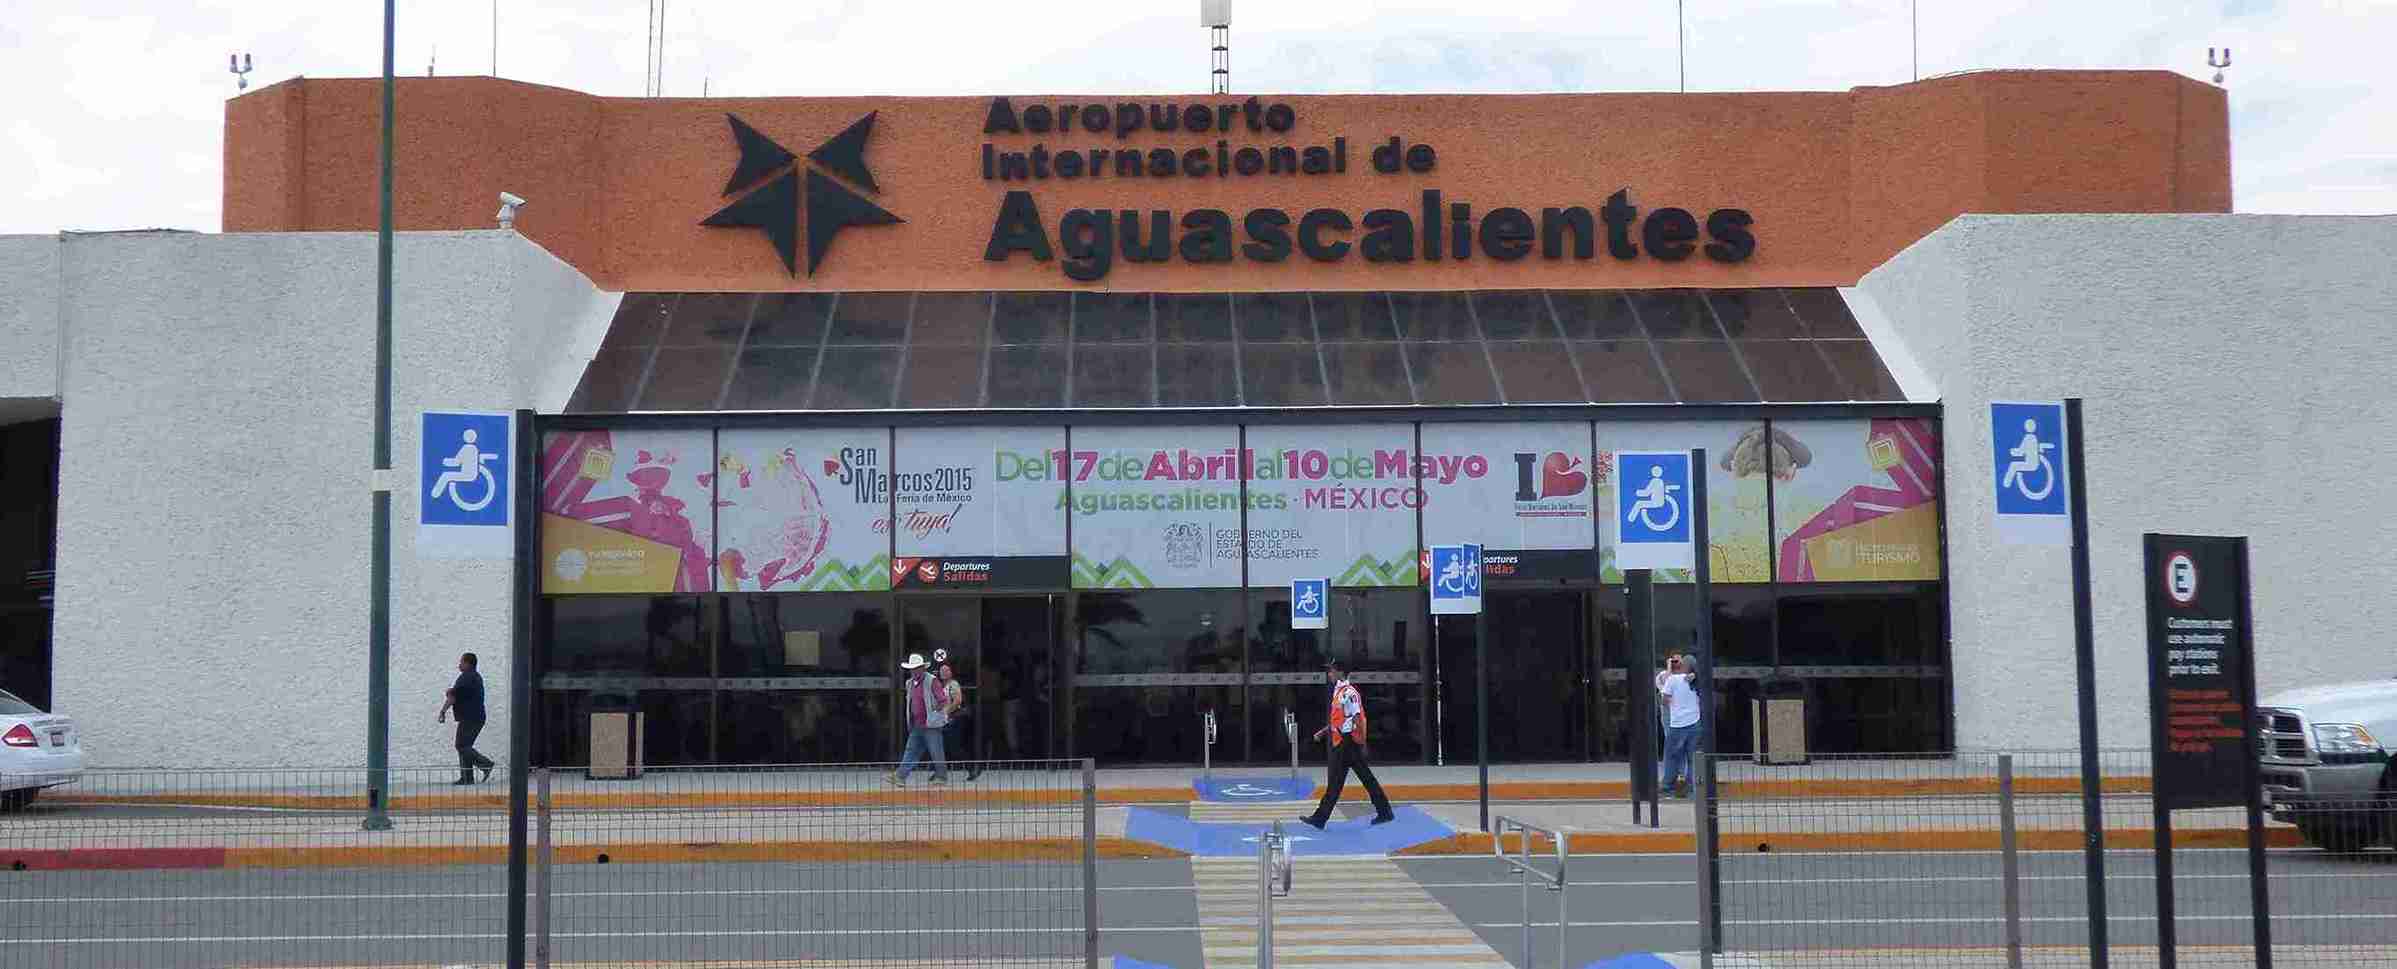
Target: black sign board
{"points": [[2201, 671]]}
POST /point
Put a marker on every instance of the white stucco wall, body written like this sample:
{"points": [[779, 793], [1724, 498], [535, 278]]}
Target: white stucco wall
{"points": [[213, 491], [2236, 375], [29, 312]]}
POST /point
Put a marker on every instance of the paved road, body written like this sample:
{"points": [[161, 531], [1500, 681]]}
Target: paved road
{"points": [[963, 914]]}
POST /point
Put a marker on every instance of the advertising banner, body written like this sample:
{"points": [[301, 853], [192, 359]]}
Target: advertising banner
{"points": [[1856, 500], [804, 510], [2200, 671], [1521, 490], [1735, 494], [1334, 501], [980, 507], [1155, 507], [626, 512]]}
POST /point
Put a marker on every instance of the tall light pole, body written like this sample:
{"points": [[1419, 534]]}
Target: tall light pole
{"points": [[378, 609]]}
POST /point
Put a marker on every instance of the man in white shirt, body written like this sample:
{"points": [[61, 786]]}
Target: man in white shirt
{"points": [[1346, 725], [1679, 697]]}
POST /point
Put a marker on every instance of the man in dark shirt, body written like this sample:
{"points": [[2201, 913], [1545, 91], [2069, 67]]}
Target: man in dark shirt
{"points": [[466, 697]]}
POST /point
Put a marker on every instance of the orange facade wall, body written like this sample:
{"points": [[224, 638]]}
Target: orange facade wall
{"points": [[1836, 182]]}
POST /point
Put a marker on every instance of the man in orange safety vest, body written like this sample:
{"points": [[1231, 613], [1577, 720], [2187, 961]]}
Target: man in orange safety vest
{"points": [[1346, 725]]}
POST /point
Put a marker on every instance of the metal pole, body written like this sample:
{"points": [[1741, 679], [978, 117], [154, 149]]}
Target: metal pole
{"points": [[1524, 846], [1710, 930], [2010, 863], [1439, 702], [2159, 797], [1564, 892], [1702, 571], [1090, 863], [2093, 815], [378, 581], [1481, 701], [1265, 900], [520, 680], [2259, 899], [541, 871], [1640, 701]]}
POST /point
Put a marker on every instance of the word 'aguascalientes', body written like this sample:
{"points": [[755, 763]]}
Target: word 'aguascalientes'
{"points": [[1436, 229]]}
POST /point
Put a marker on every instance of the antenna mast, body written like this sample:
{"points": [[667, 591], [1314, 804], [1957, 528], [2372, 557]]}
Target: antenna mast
{"points": [[1216, 16], [654, 84]]}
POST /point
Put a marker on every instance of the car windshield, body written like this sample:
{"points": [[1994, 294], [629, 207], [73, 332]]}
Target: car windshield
{"points": [[10, 706]]}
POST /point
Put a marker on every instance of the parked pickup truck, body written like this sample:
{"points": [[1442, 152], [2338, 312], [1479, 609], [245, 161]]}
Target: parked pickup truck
{"points": [[2326, 762]]}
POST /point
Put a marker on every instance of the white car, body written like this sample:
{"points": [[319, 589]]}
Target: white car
{"points": [[37, 750]]}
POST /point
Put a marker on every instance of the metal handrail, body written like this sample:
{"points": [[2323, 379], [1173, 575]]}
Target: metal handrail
{"points": [[1273, 881], [1290, 729], [1522, 865], [1207, 749]]}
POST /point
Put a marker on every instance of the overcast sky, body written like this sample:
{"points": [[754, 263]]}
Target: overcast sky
{"points": [[115, 107]]}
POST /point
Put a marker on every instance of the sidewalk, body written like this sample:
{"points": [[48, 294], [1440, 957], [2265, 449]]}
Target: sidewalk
{"points": [[862, 785]]}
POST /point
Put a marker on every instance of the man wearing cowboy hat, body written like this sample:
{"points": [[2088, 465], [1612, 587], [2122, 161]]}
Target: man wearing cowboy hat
{"points": [[1346, 725], [925, 718]]}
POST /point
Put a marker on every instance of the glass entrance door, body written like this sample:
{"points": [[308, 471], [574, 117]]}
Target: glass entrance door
{"points": [[1540, 676], [1002, 650]]}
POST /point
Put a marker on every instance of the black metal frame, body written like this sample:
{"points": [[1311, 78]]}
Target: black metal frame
{"points": [[533, 426]]}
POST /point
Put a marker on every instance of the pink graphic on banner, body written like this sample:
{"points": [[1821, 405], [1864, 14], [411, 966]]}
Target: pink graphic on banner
{"points": [[648, 513], [1913, 477], [794, 526]]}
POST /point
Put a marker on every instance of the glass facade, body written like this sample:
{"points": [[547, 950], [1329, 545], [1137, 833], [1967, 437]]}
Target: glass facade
{"points": [[1100, 584], [870, 351]]}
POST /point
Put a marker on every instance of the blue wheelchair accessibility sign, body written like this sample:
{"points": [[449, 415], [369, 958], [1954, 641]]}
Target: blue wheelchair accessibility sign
{"points": [[1456, 580], [463, 474], [1310, 603], [1652, 510], [2029, 474]]}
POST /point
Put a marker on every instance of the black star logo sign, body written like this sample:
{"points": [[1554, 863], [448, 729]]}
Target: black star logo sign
{"points": [[774, 208]]}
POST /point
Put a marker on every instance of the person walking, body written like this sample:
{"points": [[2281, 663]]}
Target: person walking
{"points": [[925, 718], [465, 698], [1682, 713], [1346, 725], [958, 737]]}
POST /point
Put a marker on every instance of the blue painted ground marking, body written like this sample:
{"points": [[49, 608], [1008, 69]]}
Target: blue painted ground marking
{"points": [[1631, 960], [1236, 790], [1355, 836]]}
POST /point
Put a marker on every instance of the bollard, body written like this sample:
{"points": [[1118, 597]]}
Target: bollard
{"points": [[2010, 863], [1207, 746], [1290, 729]]}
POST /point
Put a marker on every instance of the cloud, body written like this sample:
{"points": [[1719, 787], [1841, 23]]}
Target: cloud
{"points": [[125, 116]]}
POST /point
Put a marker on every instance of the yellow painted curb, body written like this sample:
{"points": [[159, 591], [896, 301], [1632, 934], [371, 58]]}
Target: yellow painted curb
{"points": [[1022, 850], [1668, 842], [912, 797]]}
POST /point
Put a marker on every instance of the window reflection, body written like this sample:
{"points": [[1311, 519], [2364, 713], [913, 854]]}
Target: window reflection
{"points": [[627, 635]]}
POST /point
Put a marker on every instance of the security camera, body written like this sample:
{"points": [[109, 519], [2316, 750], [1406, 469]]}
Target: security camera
{"points": [[509, 202]]}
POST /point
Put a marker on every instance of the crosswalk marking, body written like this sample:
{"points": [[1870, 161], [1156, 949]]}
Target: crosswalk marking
{"points": [[1346, 913]]}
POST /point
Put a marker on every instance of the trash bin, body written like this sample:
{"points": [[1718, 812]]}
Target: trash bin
{"points": [[615, 725], [1779, 715]]}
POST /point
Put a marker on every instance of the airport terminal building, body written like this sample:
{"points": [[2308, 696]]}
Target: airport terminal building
{"points": [[1074, 387]]}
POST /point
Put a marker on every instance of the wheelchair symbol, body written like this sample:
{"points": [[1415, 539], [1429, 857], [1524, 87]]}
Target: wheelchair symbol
{"points": [[1309, 603], [1454, 579], [1248, 790], [1657, 493], [2029, 456], [468, 465]]}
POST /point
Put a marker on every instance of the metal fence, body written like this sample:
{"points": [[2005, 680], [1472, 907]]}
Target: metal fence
{"points": [[823, 865], [752, 866], [1977, 860]]}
